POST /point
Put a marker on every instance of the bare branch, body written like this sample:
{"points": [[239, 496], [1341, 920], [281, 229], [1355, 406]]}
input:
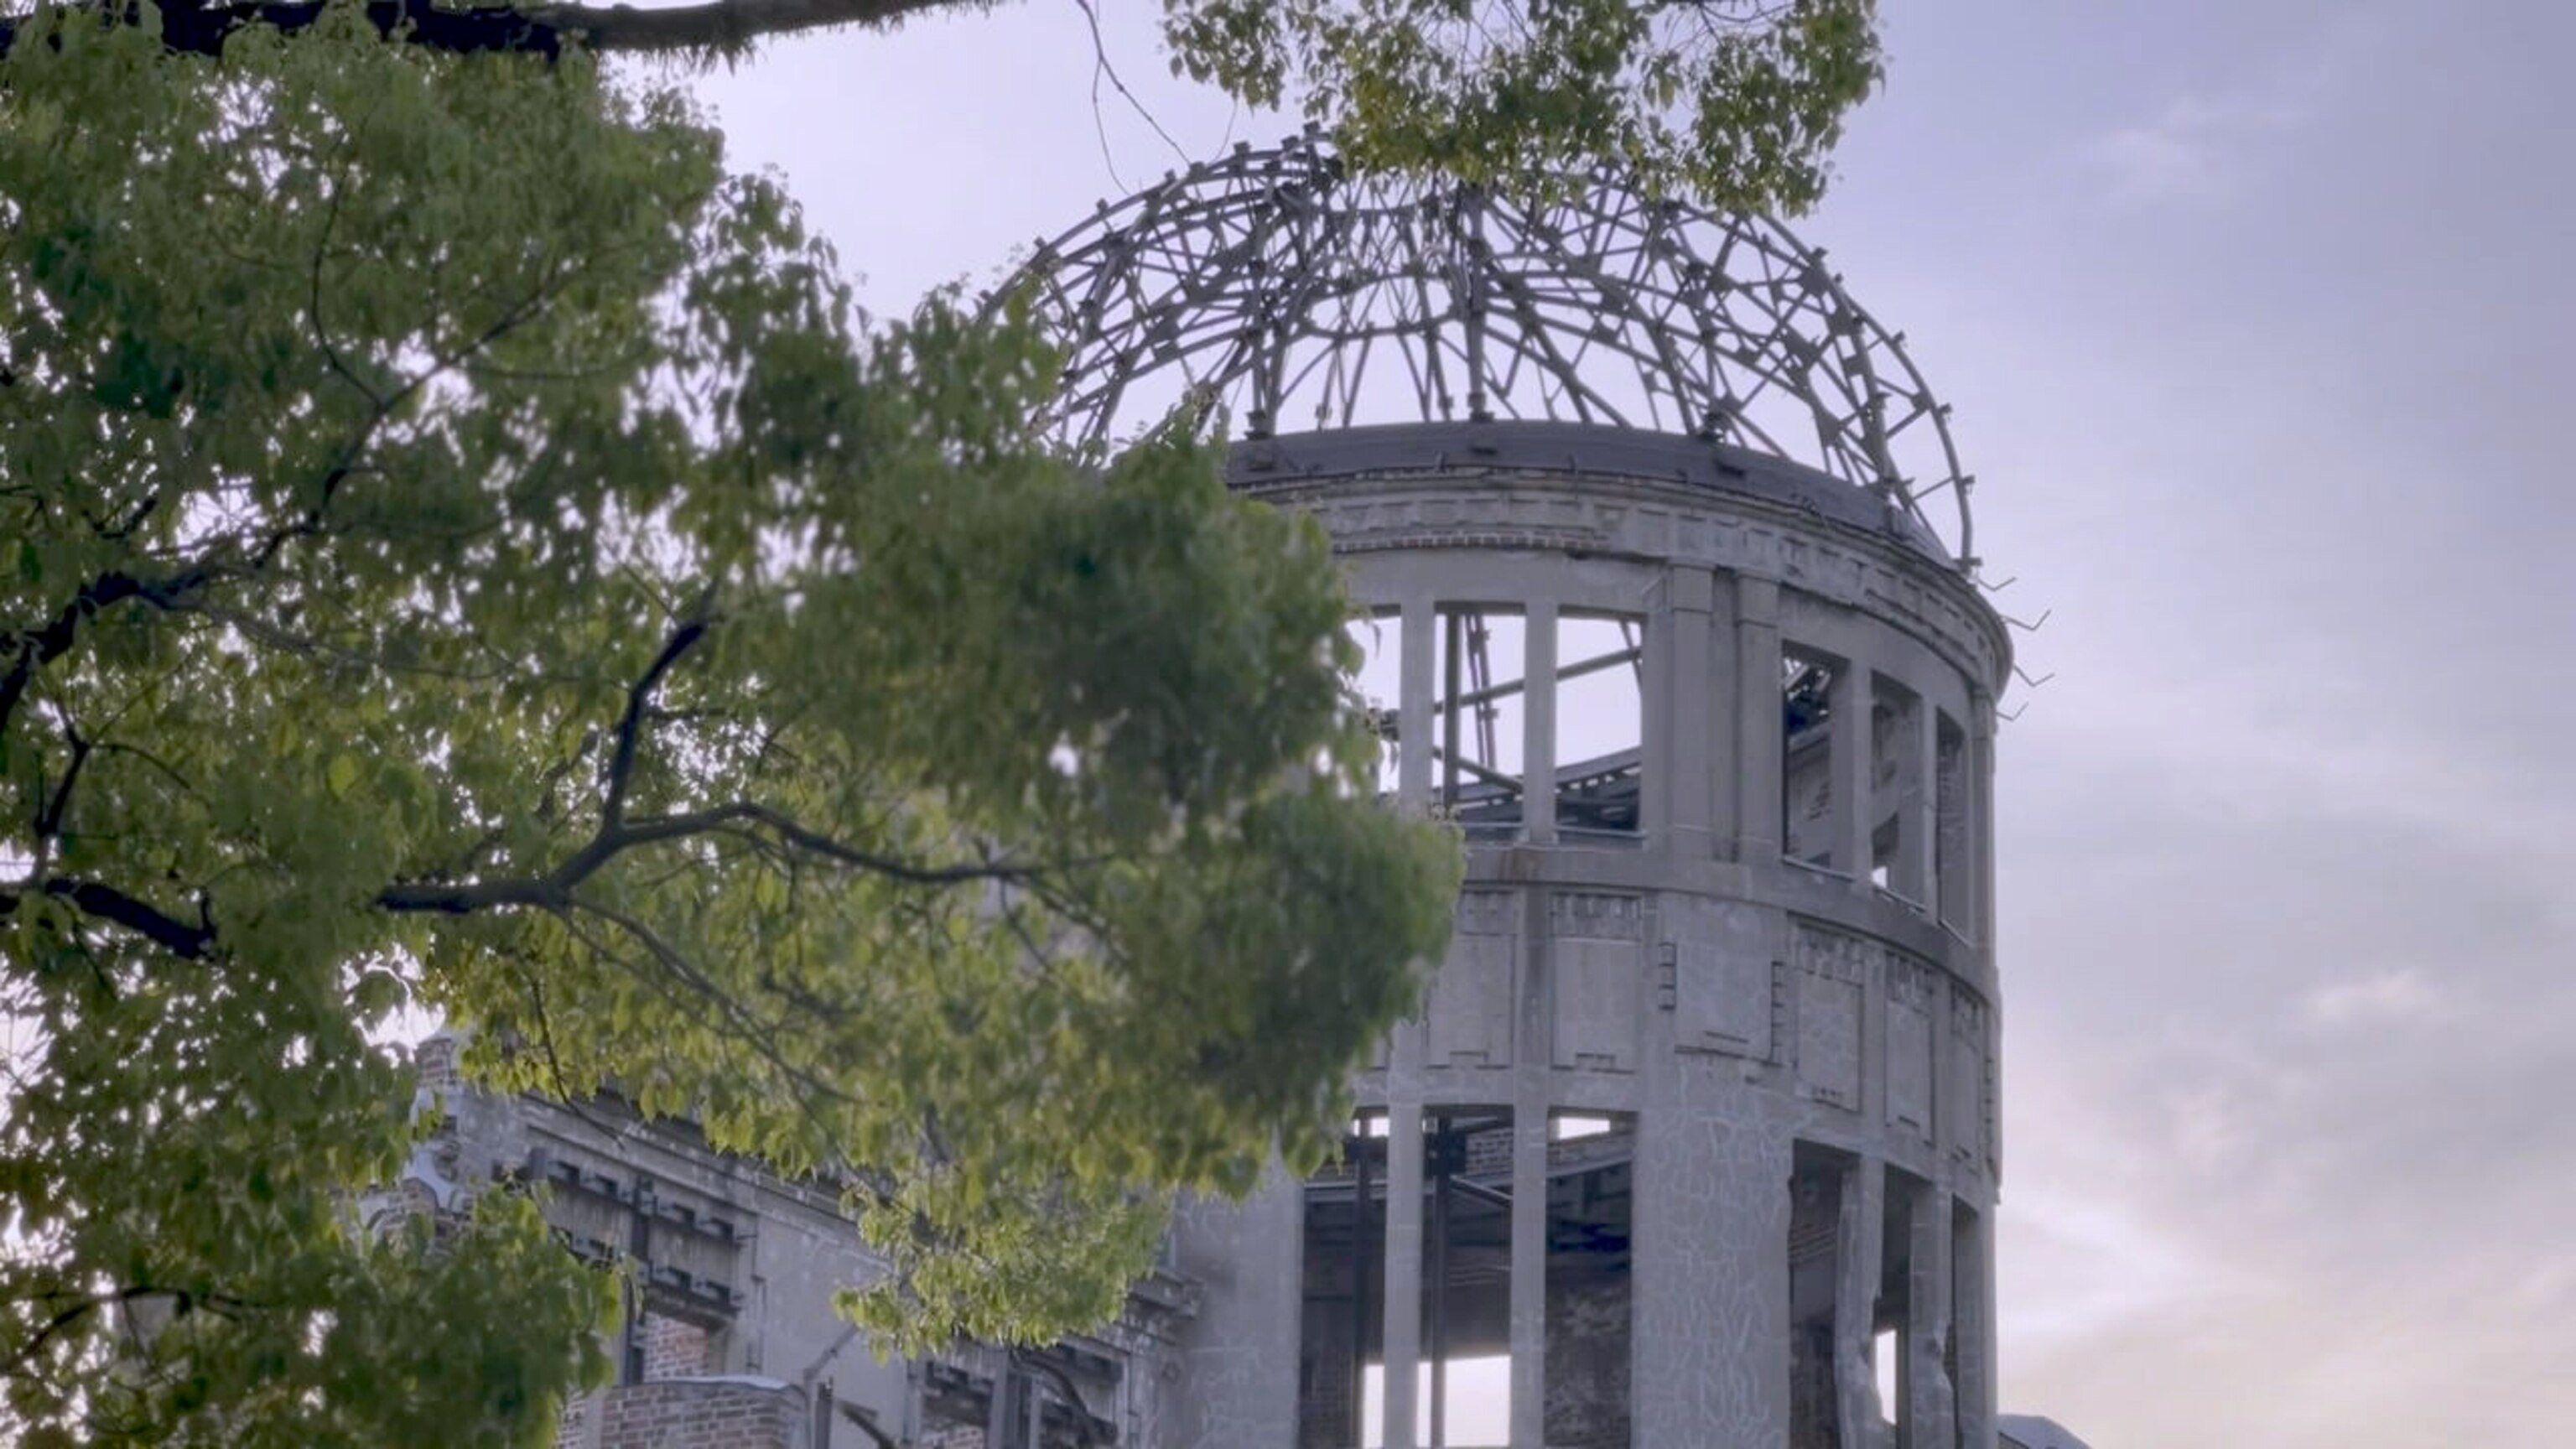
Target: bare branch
{"points": [[630, 728]]}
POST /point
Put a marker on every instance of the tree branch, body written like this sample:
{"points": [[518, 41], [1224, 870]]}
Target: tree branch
{"points": [[630, 726], [198, 27], [79, 1309], [667, 827], [32, 649], [107, 903]]}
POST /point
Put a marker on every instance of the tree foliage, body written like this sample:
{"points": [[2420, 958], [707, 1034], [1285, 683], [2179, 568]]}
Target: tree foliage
{"points": [[459, 550], [1734, 102]]}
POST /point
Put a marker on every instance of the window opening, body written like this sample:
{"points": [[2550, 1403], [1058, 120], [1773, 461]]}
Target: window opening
{"points": [[1600, 723], [1479, 700], [1806, 758]]}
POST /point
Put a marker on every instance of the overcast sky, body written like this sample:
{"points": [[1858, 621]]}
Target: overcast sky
{"points": [[2255, 315]]}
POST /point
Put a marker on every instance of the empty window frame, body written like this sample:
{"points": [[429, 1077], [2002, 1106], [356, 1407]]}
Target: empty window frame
{"points": [[1479, 703], [1807, 697], [1599, 763]]}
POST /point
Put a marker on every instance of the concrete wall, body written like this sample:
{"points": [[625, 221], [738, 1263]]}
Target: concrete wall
{"points": [[1743, 1006]]}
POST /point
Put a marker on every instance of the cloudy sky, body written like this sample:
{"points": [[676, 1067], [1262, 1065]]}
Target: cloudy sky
{"points": [[2255, 314]]}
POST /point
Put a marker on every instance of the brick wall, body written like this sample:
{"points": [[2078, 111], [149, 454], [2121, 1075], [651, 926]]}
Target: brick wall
{"points": [[707, 1413], [673, 1349]]}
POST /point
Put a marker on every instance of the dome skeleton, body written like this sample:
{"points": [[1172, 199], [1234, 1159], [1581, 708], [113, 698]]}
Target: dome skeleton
{"points": [[1277, 285]]}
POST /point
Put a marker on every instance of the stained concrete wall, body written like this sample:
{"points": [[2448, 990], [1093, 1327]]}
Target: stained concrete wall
{"points": [[1743, 1006]]}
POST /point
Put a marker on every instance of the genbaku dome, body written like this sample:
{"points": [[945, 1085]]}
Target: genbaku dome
{"points": [[1671, 604]]}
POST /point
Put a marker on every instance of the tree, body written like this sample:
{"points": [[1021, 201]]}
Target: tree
{"points": [[1736, 102], [461, 550]]}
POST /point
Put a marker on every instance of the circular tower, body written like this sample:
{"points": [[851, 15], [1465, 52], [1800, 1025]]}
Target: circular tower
{"points": [[1671, 605]]}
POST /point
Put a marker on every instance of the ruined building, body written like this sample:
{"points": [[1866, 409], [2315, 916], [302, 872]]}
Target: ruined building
{"points": [[1672, 606]]}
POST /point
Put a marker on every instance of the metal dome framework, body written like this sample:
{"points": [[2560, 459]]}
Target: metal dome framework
{"points": [[1276, 286]]}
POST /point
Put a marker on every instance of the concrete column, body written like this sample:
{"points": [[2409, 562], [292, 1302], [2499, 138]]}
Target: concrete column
{"points": [[1403, 1331], [1931, 1404], [1236, 1361], [1532, 1051], [1655, 719], [1859, 1235], [1981, 817], [1972, 1311], [1853, 699], [1758, 804], [1417, 733], [1000, 1422], [1690, 693], [1719, 723], [1710, 1326], [1919, 789], [1538, 723]]}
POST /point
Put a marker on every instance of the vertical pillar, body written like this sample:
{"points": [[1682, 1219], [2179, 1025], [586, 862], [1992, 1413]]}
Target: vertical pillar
{"points": [[1972, 1314], [1981, 818], [1234, 1364], [1759, 808], [1416, 732], [1931, 1406], [1033, 1413], [1403, 1331], [1854, 698], [1710, 1317], [1530, 1073], [1654, 718], [1859, 1234], [1688, 661], [1001, 1425], [1538, 722], [1918, 792]]}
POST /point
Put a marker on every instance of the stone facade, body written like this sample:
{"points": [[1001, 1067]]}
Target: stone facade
{"points": [[1771, 976]]}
